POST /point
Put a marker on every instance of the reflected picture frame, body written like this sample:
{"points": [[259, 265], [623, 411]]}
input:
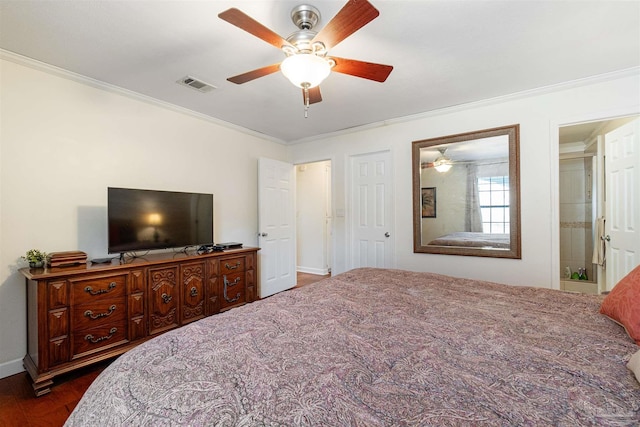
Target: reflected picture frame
{"points": [[428, 201]]}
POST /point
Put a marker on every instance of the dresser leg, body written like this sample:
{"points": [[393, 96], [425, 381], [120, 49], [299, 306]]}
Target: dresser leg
{"points": [[40, 389], [41, 383]]}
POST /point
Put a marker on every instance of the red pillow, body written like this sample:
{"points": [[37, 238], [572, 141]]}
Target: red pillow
{"points": [[623, 304]]}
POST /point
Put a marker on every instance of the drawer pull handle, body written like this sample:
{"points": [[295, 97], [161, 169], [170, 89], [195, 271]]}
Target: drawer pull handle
{"points": [[232, 267], [166, 298], [93, 340], [90, 290], [194, 291], [92, 316], [228, 284]]}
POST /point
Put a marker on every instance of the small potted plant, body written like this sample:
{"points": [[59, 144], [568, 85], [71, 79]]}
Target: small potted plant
{"points": [[35, 258]]}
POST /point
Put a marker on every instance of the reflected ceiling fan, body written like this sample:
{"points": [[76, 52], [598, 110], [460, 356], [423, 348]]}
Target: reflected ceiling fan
{"points": [[307, 62], [442, 163]]}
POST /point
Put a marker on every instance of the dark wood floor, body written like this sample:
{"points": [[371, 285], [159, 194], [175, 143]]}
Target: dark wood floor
{"points": [[306, 279], [19, 407]]}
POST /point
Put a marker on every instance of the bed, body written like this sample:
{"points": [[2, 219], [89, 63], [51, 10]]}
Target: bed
{"points": [[377, 347], [468, 239]]}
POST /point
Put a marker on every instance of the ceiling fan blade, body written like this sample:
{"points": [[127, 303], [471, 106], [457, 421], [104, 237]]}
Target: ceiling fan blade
{"points": [[353, 16], [250, 25], [314, 95], [366, 70], [252, 75]]}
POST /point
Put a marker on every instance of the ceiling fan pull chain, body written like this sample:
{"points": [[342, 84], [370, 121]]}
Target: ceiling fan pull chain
{"points": [[306, 101]]}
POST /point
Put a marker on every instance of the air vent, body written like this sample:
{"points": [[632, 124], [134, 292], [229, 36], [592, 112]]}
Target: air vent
{"points": [[196, 84]]}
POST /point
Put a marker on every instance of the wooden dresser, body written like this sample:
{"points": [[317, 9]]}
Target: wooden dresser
{"points": [[79, 316]]}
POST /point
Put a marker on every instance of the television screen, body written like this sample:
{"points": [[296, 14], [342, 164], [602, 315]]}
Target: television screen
{"points": [[150, 219]]}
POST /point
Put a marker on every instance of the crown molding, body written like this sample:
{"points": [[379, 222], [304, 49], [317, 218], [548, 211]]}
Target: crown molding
{"points": [[79, 78], [628, 72], [61, 72]]}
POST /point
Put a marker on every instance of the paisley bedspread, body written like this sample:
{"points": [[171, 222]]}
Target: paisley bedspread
{"points": [[374, 347]]}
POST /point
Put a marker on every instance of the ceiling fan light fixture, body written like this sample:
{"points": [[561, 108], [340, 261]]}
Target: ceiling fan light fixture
{"points": [[442, 163], [305, 70]]}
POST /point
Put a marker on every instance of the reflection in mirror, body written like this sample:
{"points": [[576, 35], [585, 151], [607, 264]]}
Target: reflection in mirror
{"points": [[466, 194]]}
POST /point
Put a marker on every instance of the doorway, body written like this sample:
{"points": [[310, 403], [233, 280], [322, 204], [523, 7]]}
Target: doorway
{"points": [[582, 204], [578, 202], [314, 220]]}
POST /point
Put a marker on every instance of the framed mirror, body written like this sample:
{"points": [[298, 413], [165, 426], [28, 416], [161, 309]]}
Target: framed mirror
{"points": [[466, 194]]}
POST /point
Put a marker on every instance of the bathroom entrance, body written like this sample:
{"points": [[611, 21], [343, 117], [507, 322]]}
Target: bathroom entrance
{"points": [[582, 205], [578, 199]]}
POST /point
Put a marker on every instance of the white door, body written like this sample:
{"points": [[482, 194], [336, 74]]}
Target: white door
{"points": [[276, 226], [371, 211], [622, 166]]}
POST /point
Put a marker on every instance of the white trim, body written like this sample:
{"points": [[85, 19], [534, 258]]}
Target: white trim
{"points": [[633, 71], [573, 147], [79, 78], [308, 270], [11, 367]]}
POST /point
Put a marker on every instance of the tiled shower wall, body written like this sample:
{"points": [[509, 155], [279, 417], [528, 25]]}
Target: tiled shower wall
{"points": [[576, 235]]}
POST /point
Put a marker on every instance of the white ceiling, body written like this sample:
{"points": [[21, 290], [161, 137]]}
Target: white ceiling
{"points": [[495, 147], [444, 53]]}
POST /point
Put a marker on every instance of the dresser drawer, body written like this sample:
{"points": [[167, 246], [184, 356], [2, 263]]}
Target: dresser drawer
{"points": [[58, 292], [58, 351], [93, 289], [98, 313], [58, 322], [94, 339], [233, 290], [232, 265]]}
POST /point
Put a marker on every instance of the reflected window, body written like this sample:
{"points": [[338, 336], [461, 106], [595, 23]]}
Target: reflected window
{"points": [[493, 192]]}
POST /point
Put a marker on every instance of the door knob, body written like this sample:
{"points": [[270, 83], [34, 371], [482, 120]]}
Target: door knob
{"points": [[387, 234], [607, 238], [264, 234]]}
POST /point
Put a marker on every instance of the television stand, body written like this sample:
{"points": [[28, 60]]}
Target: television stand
{"points": [[77, 316]]}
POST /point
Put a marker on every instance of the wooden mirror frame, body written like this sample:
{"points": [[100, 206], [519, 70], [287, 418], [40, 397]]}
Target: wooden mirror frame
{"points": [[514, 250]]}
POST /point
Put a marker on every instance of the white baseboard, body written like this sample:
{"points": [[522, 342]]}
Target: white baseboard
{"points": [[11, 368], [319, 271]]}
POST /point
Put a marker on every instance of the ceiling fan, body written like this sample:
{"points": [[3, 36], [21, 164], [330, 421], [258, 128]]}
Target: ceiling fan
{"points": [[442, 163], [307, 62]]}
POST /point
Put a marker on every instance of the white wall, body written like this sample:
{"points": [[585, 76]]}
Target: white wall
{"points": [[64, 142], [539, 115]]}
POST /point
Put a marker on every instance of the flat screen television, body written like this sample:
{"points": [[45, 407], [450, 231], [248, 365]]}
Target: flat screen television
{"points": [[150, 219]]}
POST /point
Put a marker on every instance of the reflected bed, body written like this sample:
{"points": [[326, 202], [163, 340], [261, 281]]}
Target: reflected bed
{"points": [[374, 347], [467, 239]]}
